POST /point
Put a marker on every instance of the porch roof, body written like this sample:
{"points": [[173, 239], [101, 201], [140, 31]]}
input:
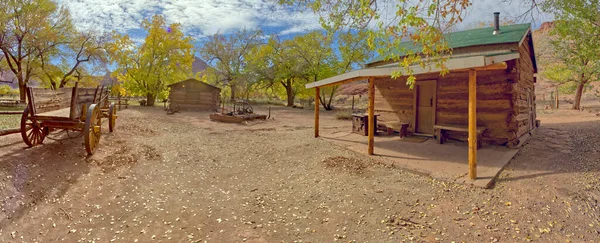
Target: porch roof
{"points": [[455, 63]]}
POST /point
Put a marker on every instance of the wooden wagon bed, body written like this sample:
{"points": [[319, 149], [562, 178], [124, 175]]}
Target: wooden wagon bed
{"points": [[46, 111]]}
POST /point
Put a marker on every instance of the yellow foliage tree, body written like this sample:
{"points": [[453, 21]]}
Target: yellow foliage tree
{"points": [[164, 58]]}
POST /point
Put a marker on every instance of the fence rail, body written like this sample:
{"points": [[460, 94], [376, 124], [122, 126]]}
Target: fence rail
{"points": [[9, 131], [9, 102], [11, 112]]}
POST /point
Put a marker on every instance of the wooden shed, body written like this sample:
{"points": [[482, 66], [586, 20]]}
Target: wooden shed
{"points": [[192, 94], [488, 95]]}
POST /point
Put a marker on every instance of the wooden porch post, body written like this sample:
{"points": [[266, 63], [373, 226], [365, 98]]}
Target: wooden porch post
{"points": [[472, 124], [317, 90], [371, 121]]}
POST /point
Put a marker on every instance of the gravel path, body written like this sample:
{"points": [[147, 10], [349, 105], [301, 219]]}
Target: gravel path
{"points": [[183, 178]]}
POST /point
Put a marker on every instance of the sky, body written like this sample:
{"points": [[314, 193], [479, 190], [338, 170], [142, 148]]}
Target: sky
{"points": [[201, 18]]}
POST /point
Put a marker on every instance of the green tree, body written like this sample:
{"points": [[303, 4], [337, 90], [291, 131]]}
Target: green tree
{"points": [[82, 48], [290, 64], [577, 42], [4, 90], [422, 22], [353, 49], [228, 56], [317, 59], [164, 58], [277, 64], [29, 29], [35, 32]]}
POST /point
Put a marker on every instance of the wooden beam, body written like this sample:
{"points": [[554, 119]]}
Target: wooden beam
{"points": [[317, 90], [73, 105], [473, 124], [387, 72], [495, 66], [371, 121], [11, 112], [9, 131], [344, 82]]}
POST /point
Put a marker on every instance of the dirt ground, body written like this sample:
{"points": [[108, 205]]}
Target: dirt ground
{"points": [[181, 177]]}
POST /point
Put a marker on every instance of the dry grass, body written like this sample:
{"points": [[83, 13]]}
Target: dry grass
{"points": [[351, 165], [344, 114], [9, 121]]}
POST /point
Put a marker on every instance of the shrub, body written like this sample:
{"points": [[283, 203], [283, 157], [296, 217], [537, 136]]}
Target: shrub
{"points": [[345, 114]]}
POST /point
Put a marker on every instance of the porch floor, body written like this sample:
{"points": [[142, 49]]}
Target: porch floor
{"points": [[446, 161]]}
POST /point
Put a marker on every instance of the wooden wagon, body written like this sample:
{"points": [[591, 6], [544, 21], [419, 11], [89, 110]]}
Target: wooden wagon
{"points": [[85, 114], [108, 109]]}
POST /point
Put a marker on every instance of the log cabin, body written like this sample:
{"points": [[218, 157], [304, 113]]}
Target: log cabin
{"points": [[487, 96], [192, 94]]}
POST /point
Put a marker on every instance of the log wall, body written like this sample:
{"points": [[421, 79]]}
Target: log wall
{"points": [[524, 115], [505, 98], [394, 102], [194, 95]]}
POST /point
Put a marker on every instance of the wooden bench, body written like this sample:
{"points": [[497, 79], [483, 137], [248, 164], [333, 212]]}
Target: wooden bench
{"points": [[440, 132], [400, 127]]}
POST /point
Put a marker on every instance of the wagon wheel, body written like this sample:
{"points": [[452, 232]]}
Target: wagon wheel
{"points": [[112, 117], [92, 129], [31, 129], [249, 109]]}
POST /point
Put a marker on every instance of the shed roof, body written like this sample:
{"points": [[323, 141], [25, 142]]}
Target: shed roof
{"points": [[475, 37], [194, 80]]}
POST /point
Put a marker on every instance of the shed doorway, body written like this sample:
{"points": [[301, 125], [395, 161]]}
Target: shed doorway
{"points": [[425, 101]]}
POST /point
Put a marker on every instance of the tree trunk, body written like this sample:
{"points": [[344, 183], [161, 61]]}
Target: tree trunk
{"points": [[150, 98], [322, 97], [232, 93], [557, 105], [578, 94], [330, 99], [290, 93], [22, 91]]}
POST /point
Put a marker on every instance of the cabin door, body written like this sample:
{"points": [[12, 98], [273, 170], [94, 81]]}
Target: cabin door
{"points": [[425, 104]]}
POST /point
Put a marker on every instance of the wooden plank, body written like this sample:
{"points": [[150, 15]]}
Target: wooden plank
{"points": [[31, 101], [236, 119], [483, 106], [472, 124], [73, 105], [458, 128], [394, 99], [196, 107], [371, 127], [317, 90]]}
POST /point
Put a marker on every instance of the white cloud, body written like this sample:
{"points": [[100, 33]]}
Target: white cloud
{"points": [[108, 15], [198, 17]]}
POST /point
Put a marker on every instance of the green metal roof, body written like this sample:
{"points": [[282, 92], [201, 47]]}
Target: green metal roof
{"points": [[474, 37]]}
